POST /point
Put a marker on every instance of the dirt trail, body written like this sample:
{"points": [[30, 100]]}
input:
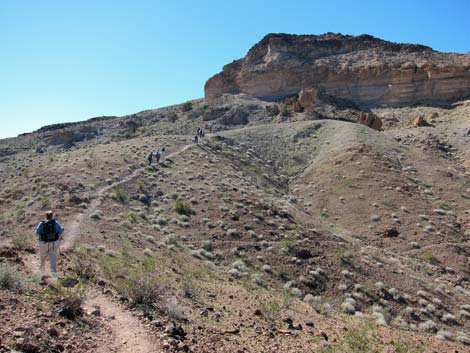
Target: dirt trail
{"points": [[128, 334]]}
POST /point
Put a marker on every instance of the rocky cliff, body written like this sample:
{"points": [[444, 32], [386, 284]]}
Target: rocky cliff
{"points": [[363, 69]]}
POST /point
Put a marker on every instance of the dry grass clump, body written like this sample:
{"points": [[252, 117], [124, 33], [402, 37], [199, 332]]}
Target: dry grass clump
{"points": [[70, 301], [183, 208], [121, 195], [11, 279]]}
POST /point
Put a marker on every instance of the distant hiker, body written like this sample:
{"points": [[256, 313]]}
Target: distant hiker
{"points": [[199, 131], [161, 154], [196, 139], [149, 158], [158, 155], [50, 235]]}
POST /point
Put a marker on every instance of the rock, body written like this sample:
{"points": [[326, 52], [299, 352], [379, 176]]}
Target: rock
{"points": [[95, 312], [420, 121], [389, 232], [27, 347], [309, 323], [295, 327], [370, 120], [308, 97], [363, 69], [156, 323], [53, 332], [235, 116], [175, 330]]}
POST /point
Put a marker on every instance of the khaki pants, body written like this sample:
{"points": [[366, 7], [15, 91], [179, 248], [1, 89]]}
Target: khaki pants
{"points": [[49, 249]]}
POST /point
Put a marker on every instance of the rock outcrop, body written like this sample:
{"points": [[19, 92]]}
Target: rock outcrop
{"points": [[363, 69]]}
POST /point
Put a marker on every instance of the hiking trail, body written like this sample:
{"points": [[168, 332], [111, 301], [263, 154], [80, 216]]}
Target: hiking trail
{"points": [[128, 334]]}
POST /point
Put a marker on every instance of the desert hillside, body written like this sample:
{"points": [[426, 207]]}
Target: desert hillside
{"points": [[306, 219]]}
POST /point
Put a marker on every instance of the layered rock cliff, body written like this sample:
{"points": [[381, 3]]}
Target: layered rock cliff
{"points": [[366, 70]]}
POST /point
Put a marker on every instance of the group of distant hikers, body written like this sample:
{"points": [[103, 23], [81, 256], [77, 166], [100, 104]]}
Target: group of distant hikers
{"points": [[158, 156], [50, 233]]}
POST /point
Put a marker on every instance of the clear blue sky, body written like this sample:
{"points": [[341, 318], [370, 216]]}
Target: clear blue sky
{"points": [[72, 60]]}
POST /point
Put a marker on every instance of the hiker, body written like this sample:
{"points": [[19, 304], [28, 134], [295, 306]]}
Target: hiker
{"points": [[196, 139], [158, 155], [50, 235], [150, 157], [199, 131]]}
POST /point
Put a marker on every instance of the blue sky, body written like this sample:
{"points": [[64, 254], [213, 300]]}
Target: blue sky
{"points": [[72, 60]]}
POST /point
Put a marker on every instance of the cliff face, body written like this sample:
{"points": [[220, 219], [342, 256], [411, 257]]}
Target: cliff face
{"points": [[364, 69]]}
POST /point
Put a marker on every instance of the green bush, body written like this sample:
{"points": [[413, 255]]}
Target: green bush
{"points": [[132, 278], [11, 279], [121, 195], [183, 208], [23, 243], [70, 301], [84, 268]]}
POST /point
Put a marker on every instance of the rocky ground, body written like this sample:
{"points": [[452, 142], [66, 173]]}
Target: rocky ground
{"points": [[284, 231]]}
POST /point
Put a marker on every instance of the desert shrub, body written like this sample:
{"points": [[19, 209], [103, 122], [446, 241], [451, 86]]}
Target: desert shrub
{"points": [[142, 291], [172, 117], [286, 112], [70, 301], [84, 267], [174, 310], [20, 211], [25, 172], [133, 279], [444, 206], [11, 279], [183, 208], [121, 195], [432, 259], [272, 110], [45, 202], [23, 243], [187, 107]]}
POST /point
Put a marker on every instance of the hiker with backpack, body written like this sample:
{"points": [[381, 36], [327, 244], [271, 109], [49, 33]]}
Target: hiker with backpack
{"points": [[149, 158], [50, 235]]}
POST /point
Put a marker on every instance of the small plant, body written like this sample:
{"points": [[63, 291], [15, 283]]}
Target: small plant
{"points": [[444, 206], [286, 112], [84, 268], [70, 301], [10, 279], [174, 310], [183, 208], [432, 259], [45, 202], [121, 195], [20, 212], [23, 243]]}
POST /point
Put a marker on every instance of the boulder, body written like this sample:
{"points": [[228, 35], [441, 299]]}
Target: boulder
{"points": [[371, 120], [235, 116], [308, 97], [420, 121]]}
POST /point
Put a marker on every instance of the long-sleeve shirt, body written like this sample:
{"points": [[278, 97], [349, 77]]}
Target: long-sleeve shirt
{"points": [[58, 229]]}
